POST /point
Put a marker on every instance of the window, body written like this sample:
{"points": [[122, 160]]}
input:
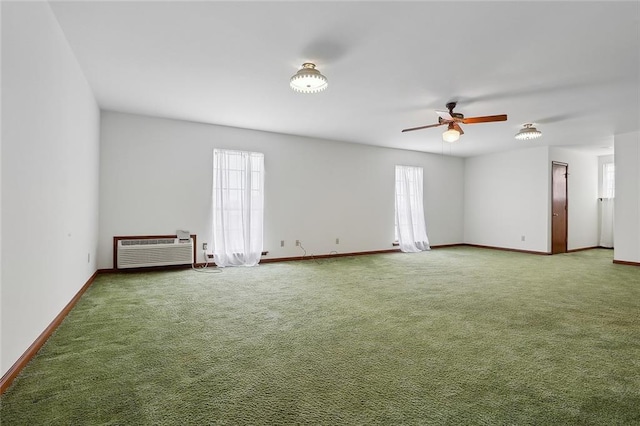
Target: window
{"points": [[238, 207], [607, 206], [608, 180], [411, 231]]}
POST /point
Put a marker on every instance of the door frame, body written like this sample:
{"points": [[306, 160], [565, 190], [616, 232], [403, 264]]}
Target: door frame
{"points": [[566, 203]]}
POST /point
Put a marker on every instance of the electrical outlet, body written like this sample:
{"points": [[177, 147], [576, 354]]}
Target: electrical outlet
{"points": [[297, 243], [337, 240], [522, 238], [204, 246], [281, 243], [88, 257]]}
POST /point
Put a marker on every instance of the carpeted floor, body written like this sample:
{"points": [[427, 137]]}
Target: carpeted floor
{"points": [[453, 336]]}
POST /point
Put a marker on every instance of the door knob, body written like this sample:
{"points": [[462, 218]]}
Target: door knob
{"points": [[555, 214]]}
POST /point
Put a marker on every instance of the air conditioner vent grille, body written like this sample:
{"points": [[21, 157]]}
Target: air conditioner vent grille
{"points": [[146, 242], [153, 252]]}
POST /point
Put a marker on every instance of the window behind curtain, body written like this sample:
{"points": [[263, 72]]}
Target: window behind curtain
{"points": [[608, 180], [607, 206], [238, 204], [411, 231]]}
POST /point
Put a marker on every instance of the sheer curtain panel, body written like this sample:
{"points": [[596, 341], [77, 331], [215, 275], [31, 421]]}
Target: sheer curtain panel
{"points": [[607, 203], [238, 207], [606, 222], [411, 229]]}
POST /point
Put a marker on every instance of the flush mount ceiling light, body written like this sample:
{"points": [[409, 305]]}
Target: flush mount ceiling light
{"points": [[528, 132], [308, 79], [451, 135]]}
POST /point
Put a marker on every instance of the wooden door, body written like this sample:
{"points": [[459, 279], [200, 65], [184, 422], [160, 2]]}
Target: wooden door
{"points": [[559, 222]]}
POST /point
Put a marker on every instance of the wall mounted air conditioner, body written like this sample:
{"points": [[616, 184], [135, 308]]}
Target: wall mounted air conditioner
{"points": [[140, 252]]}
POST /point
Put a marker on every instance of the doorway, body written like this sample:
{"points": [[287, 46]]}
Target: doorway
{"points": [[559, 210]]}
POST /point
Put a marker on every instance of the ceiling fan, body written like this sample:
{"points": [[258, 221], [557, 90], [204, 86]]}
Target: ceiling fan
{"points": [[453, 120]]}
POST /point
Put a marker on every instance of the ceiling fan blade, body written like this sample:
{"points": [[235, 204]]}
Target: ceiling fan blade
{"points": [[444, 115], [485, 119], [458, 128], [423, 127]]}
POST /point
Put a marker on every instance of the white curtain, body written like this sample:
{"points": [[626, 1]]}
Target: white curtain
{"points": [[411, 229], [238, 207], [606, 222], [607, 204]]}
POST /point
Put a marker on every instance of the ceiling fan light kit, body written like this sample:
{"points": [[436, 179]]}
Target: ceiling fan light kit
{"points": [[451, 135], [308, 79], [528, 132]]}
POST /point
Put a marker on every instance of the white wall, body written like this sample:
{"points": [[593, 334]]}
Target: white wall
{"points": [[582, 195], [49, 175], [507, 197], [156, 178], [627, 201]]}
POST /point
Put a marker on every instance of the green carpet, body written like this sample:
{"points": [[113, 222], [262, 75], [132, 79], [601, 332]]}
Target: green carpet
{"points": [[453, 336]]}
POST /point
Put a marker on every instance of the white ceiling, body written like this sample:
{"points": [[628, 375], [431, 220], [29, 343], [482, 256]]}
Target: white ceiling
{"points": [[572, 68]]}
